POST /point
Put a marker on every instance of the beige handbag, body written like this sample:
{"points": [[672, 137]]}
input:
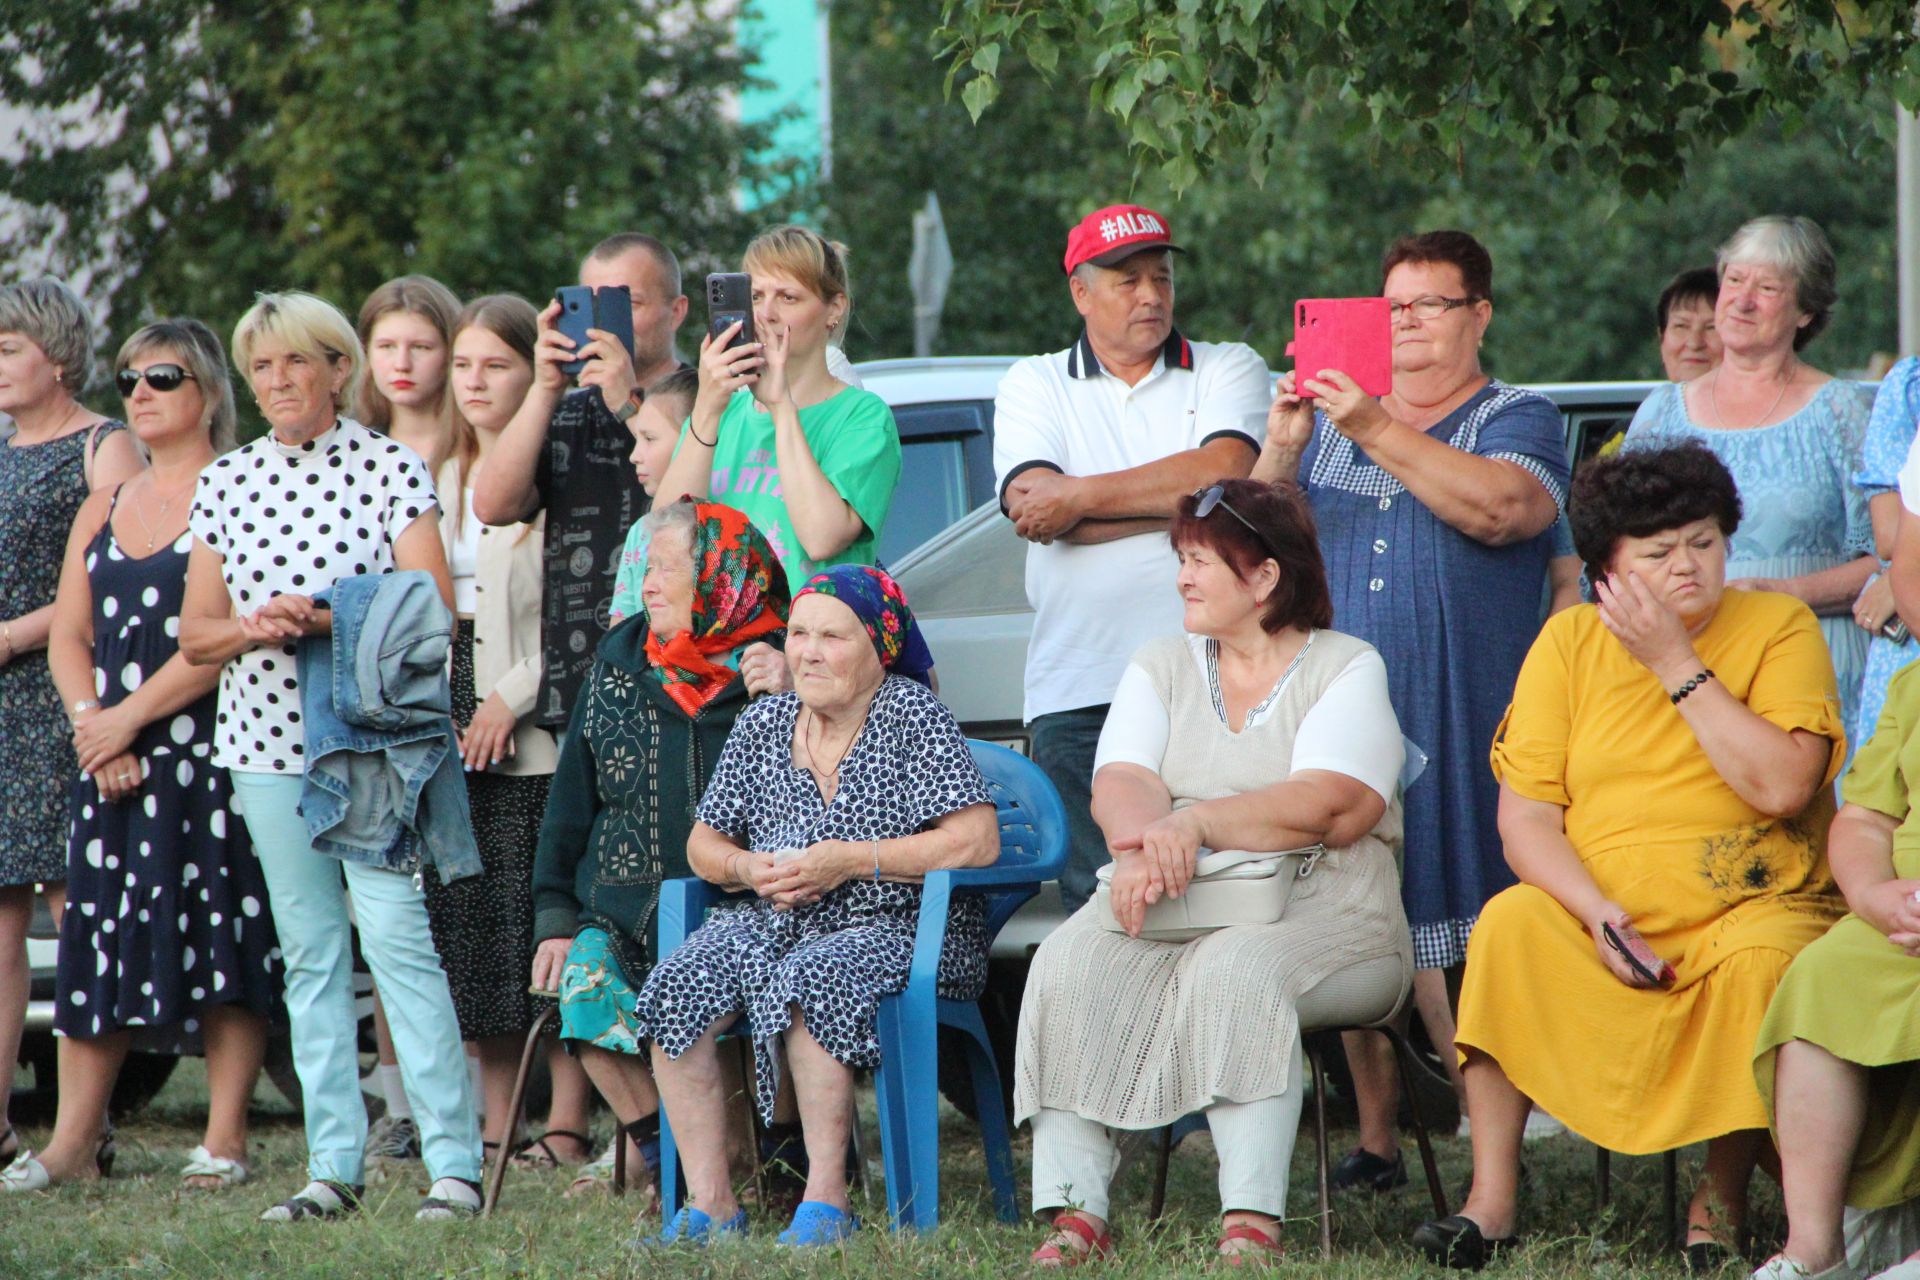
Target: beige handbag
{"points": [[1229, 887]]}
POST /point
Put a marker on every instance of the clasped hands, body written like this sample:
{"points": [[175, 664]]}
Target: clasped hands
{"points": [[1157, 863], [285, 617], [103, 741], [1893, 907], [801, 881]]}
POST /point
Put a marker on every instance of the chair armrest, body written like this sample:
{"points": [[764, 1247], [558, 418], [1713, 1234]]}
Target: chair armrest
{"points": [[1005, 876], [684, 904]]}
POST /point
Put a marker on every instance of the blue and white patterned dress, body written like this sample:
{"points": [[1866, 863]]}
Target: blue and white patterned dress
{"points": [[1801, 511], [1453, 618], [1890, 432]]}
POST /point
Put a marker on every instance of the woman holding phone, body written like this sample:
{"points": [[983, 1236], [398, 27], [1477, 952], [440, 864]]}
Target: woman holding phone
{"points": [[774, 433]]}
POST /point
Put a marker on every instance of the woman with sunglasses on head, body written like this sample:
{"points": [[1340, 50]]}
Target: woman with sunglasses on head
{"points": [[58, 451], [1259, 730], [1436, 505], [167, 928]]}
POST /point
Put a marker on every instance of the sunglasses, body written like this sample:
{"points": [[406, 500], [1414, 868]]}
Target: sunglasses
{"points": [[161, 377], [1216, 496]]}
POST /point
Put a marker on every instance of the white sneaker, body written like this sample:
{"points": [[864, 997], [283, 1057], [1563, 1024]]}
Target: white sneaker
{"points": [[1781, 1267]]}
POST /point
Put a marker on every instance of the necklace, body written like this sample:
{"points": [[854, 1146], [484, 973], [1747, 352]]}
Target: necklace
{"points": [[1713, 395], [813, 757], [160, 516], [77, 412]]}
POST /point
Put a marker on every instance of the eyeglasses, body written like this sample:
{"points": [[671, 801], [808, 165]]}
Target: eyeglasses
{"points": [[1431, 307], [1205, 500], [161, 377]]}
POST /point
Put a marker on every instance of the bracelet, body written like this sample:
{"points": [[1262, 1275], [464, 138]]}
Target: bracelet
{"points": [[876, 862], [711, 444], [1679, 695]]}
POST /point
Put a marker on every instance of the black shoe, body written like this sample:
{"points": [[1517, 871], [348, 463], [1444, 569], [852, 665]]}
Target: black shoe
{"points": [[1361, 1168], [1456, 1242], [1709, 1256]]}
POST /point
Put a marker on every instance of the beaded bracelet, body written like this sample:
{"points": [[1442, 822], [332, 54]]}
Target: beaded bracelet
{"points": [[1678, 695], [876, 862]]}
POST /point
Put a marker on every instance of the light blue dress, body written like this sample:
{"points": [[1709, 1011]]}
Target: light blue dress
{"points": [[1896, 412], [1801, 511]]}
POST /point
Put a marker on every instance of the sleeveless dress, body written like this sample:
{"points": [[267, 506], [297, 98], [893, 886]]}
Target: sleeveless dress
{"points": [[42, 487], [1135, 1033], [166, 905]]}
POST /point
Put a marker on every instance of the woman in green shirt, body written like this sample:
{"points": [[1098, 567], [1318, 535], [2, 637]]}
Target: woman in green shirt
{"points": [[812, 461]]}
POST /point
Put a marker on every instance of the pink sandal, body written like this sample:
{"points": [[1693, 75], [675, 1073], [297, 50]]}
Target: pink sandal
{"points": [[1269, 1252], [1052, 1254]]}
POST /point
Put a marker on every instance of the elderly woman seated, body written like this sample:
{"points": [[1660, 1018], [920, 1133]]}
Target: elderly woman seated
{"points": [[665, 689], [1664, 773], [831, 804], [1839, 1054], [1259, 730]]}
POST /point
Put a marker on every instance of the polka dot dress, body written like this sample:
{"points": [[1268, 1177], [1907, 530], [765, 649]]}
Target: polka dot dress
{"points": [[166, 906], [836, 958], [295, 520]]}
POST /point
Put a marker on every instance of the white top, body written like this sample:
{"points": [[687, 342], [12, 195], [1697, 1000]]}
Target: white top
{"points": [[1350, 729], [1910, 479], [296, 520], [463, 559], [1094, 605]]}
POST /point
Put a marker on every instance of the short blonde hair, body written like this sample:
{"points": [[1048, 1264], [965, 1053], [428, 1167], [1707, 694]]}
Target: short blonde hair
{"points": [[54, 318], [312, 326], [199, 350], [804, 254]]}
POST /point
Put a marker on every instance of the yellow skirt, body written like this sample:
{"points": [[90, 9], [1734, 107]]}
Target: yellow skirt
{"points": [[1635, 1071]]}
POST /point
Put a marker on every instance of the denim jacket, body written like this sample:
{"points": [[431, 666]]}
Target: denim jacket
{"points": [[384, 785]]}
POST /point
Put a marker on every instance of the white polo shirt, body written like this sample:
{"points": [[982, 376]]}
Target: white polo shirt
{"points": [[1094, 605]]}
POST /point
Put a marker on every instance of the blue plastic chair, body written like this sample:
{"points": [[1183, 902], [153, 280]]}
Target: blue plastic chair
{"points": [[1033, 850]]}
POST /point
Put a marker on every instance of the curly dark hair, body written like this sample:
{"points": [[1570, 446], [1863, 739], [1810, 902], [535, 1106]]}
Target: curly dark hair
{"points": [[1266, 522], [1639, 493]]}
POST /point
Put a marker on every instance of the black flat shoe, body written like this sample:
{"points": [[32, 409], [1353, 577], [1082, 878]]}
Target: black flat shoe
{"points": [[1456, 1242], [1360, 1168], [9, 1147], [1708, 1256]]}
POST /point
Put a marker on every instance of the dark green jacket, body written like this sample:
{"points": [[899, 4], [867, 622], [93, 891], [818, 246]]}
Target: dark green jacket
{"points": [[631, 774]]}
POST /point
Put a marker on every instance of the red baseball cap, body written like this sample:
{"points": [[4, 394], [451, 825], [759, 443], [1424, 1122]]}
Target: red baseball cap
{"points": [[1115, 233]]}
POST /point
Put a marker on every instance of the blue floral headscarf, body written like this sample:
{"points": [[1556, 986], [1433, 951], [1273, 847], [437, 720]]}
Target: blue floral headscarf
{"points": [[877, 600]]}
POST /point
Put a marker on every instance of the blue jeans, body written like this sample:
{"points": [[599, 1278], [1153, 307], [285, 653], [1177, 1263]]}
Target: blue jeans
{"points": [[1063, 746], [310, 913]]}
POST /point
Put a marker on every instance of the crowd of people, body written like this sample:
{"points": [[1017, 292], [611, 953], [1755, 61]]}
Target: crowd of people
{"points": [[468, 655]]}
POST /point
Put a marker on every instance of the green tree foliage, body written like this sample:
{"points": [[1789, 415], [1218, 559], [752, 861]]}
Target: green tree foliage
{"points": [[222, 149], [1577, 266], [1625, 88]]}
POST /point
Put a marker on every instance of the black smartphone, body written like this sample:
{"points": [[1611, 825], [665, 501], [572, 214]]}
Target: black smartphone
{"points": [[730, 301], [1895, 629], [1639, 956], [609, 308]]}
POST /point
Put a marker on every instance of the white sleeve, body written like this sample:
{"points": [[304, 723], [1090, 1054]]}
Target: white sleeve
{"points": [[1352, 728], [1910, 479], [842, 368], [1235, 399], [1023, 434], [1137, 724]]}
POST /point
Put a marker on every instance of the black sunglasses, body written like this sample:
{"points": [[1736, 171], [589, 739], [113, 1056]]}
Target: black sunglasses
{"points": [[1205, 500], [161, 377]]}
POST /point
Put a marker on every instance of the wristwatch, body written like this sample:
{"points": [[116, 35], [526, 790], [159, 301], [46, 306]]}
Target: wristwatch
{"points": [[631, 407]]}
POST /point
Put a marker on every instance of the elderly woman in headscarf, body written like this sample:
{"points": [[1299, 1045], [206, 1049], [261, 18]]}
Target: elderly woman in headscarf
{"points": [[831, 804], [665, 689]]}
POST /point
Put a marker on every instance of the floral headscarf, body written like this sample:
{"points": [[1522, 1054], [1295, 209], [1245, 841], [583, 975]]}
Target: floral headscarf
{"points": [[739, 596], [877, 600]]}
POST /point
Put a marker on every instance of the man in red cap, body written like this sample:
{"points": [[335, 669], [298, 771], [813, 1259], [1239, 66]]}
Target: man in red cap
{"points": [[1093, 448]]}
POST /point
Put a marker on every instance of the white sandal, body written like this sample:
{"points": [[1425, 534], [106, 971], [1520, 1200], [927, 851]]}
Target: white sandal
{"points": [[25, 1174], [202, 1163]]}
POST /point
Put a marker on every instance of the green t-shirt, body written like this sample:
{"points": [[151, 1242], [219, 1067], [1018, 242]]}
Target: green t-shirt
{"points": [[857, 445]]}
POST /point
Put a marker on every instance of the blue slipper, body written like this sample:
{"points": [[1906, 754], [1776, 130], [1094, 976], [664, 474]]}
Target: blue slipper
{"points": [[816, 1223], [690, 1226]]}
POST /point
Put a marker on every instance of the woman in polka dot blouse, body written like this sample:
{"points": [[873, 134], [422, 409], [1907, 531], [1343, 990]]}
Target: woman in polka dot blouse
{"points": [[166, 924], [318, 499]]}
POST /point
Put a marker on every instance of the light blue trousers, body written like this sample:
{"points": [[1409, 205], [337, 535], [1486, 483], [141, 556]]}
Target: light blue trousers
{"points": [[310, 912]]}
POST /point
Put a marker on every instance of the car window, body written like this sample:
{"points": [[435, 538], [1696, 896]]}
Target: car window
{"points": [[931, 496]]}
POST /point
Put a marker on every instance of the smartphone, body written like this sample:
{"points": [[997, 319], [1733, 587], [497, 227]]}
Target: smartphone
{"points": [[1353, 335], [1895, 629], [1640, 957], [730, 301], [609, 308]]}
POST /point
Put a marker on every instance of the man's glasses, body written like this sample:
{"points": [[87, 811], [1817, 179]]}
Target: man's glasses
{"points": [[1205, 500], [161, 377], [1431, 307]]}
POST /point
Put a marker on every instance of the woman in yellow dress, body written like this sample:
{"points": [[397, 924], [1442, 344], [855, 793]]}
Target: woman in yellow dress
{"points": [[1665, 768], [1839, 1056]]}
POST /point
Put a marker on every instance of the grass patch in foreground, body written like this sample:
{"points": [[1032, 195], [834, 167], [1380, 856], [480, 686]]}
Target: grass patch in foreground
{"points": [[140, 1224]]}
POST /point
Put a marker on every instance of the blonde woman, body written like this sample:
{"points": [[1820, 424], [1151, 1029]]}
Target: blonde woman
{"points": [[406, 326], [318, 499]]}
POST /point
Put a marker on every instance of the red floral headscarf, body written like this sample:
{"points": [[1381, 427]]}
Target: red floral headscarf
{"points": [[739, 596]]}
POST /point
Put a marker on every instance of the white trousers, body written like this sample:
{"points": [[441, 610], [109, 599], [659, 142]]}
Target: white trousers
{"points": [[1074, 1158]]}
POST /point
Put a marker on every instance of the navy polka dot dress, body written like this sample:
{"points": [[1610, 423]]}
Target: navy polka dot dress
{"points": [[166, 906], [836, 958]]}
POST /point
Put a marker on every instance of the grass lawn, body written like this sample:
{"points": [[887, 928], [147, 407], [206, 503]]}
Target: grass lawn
{"points": [[139, 1224]]}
